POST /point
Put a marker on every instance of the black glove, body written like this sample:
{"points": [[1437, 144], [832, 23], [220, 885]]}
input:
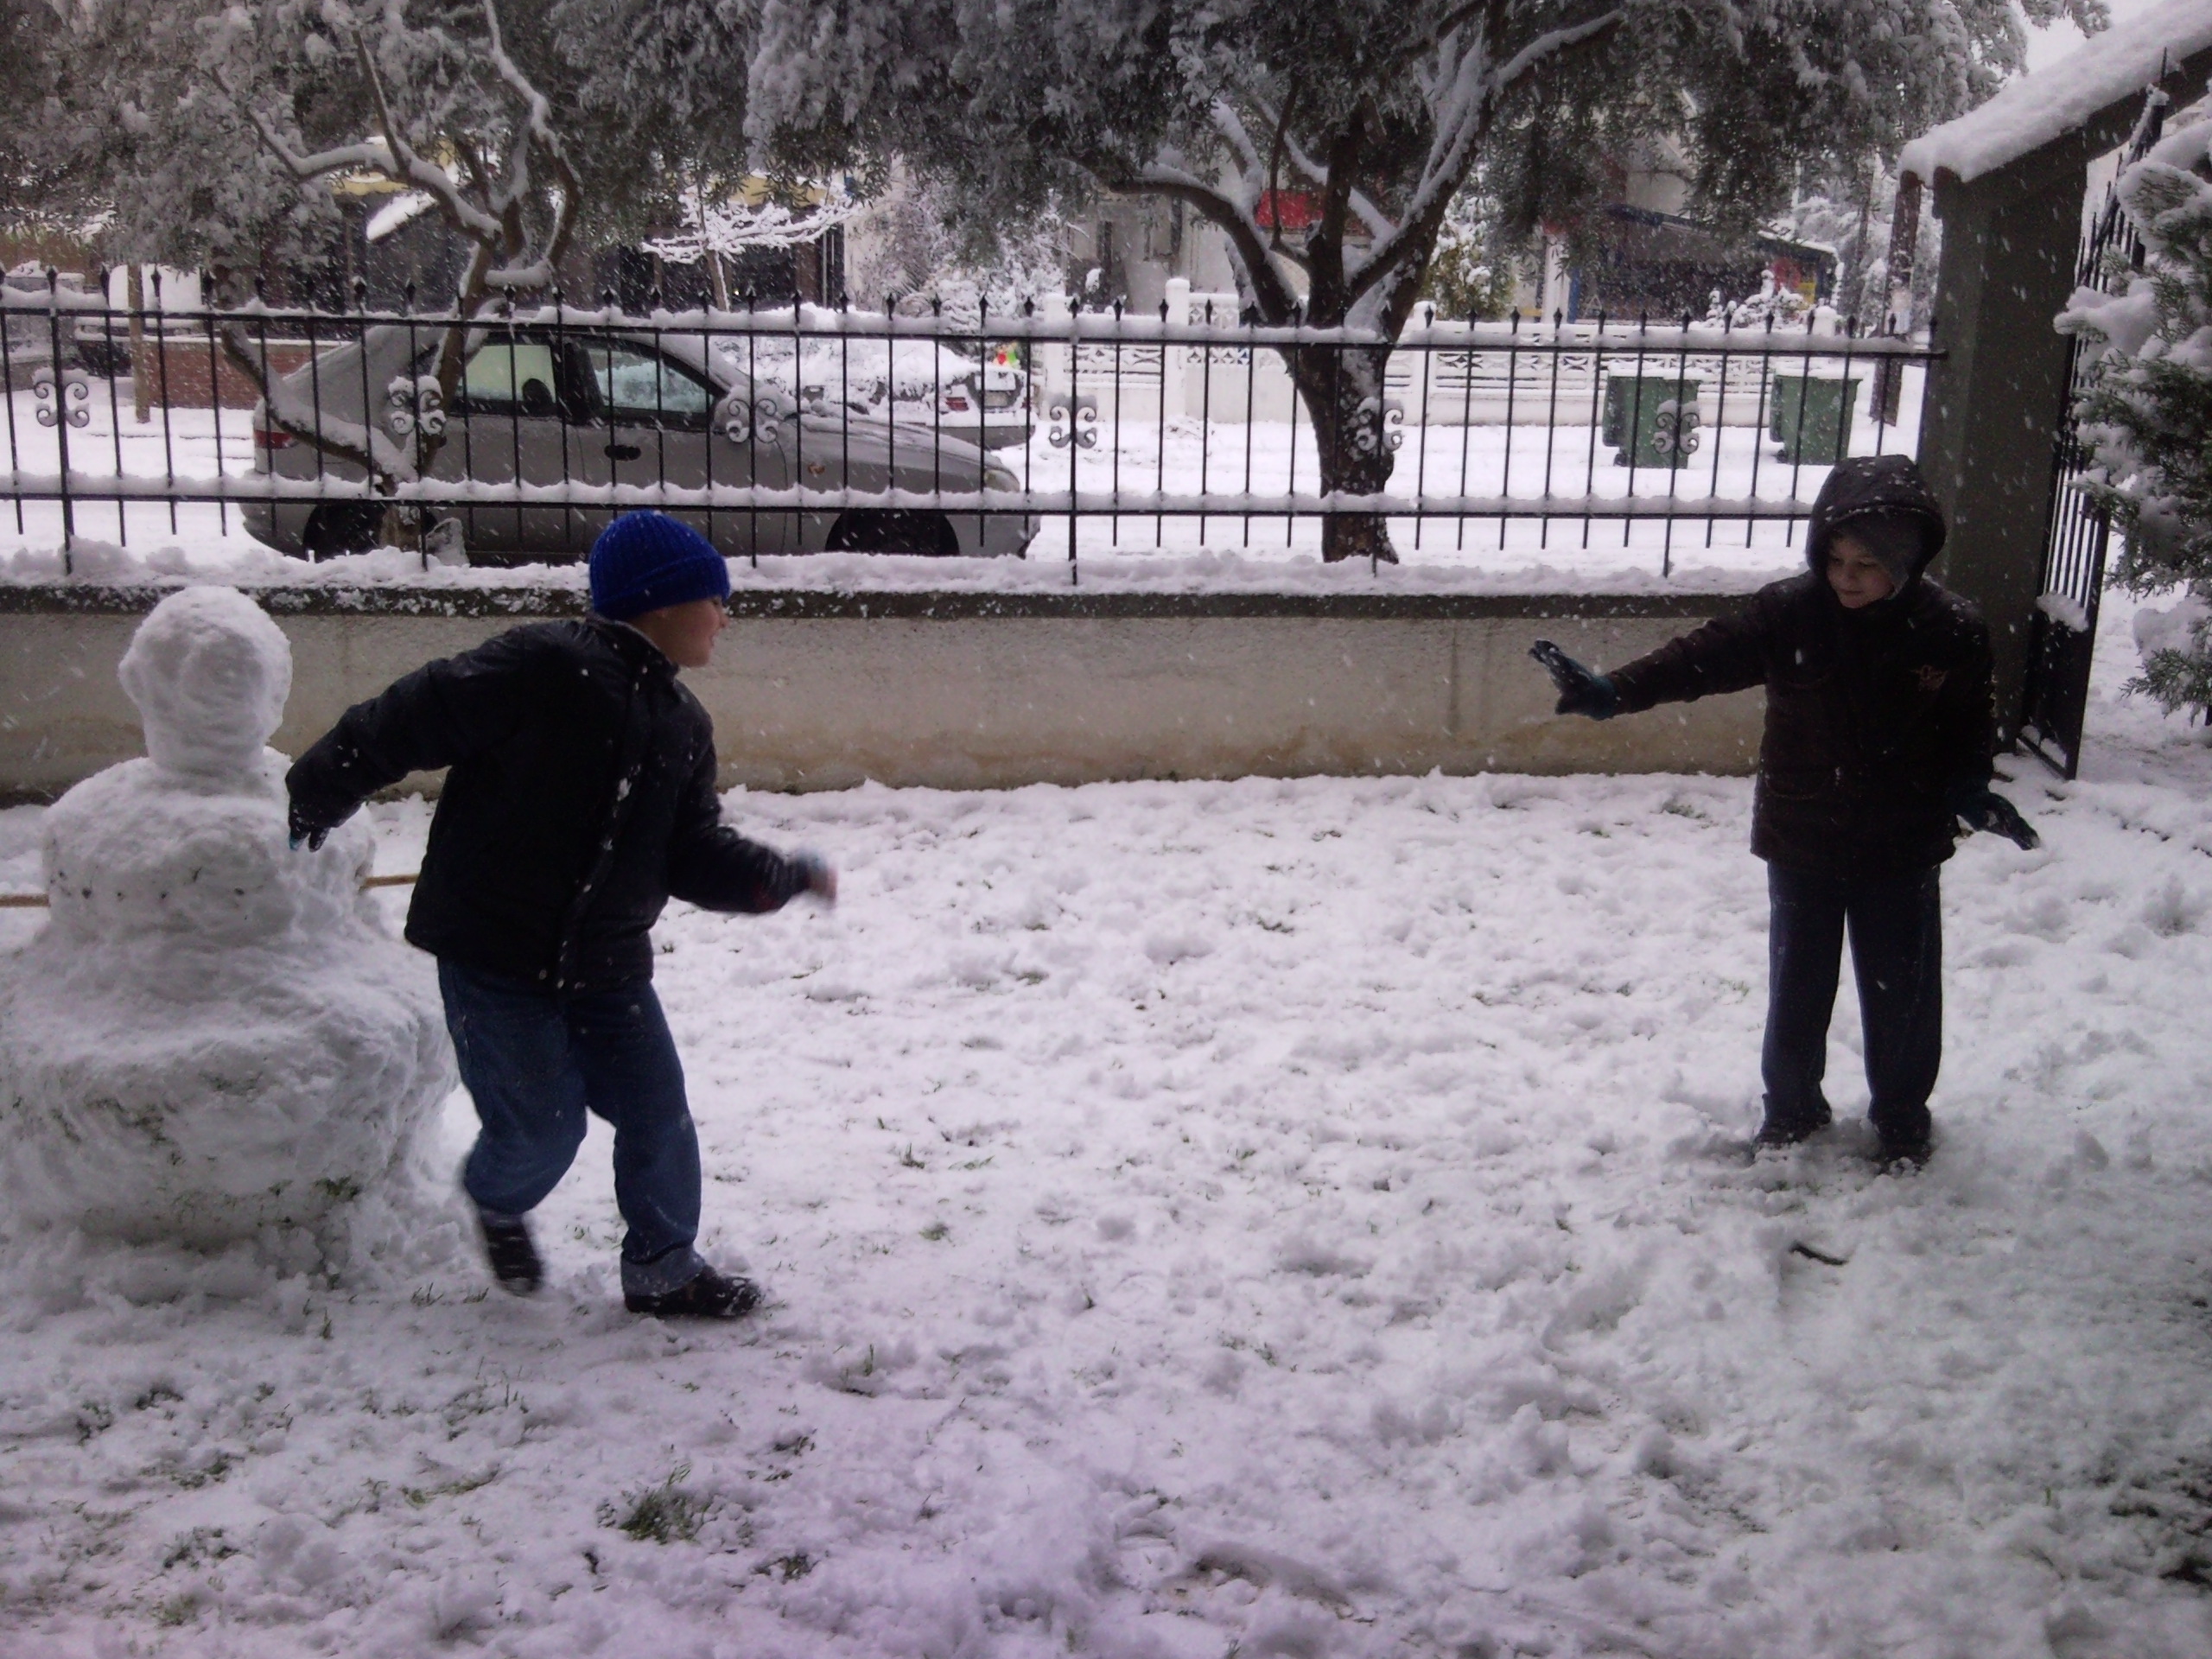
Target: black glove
{"points": [[1980, 807], [1581, 690], [308, 828]]}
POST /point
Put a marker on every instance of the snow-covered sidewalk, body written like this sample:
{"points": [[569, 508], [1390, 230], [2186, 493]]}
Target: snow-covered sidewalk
{"points": [[1268, 1218]]}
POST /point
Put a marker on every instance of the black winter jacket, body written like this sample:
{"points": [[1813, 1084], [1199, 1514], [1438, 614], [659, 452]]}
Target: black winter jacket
{"points": [[1872, 716], [581, 798]]}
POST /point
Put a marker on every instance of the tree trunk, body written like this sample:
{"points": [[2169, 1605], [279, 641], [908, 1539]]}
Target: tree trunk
{"points": [[1355, 438], [141, 382]]}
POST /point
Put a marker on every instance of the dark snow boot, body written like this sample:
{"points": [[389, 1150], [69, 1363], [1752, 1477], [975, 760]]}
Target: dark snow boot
{"points": [[710, 1296], [1787, 1130], [513, 1257], [1902, 1154]]}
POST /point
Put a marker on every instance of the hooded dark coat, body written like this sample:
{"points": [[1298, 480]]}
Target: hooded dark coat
{"points": [[1873, 717]]}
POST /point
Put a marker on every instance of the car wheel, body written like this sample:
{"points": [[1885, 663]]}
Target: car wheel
{"points": [[337, 527], [929, 533]]}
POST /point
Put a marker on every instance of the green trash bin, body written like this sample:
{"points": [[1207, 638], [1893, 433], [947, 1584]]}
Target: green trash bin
{"points": [[1651, 420], [1811, 418]]}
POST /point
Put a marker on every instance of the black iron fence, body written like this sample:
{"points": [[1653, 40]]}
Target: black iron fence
{"points": [[1055, 431], [2061, 639]]}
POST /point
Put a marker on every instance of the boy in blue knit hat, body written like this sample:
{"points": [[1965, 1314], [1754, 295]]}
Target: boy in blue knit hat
{"points": [[579, 799]]}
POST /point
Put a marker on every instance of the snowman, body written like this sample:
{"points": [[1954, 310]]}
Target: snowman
{"points": [[214, 1038]]}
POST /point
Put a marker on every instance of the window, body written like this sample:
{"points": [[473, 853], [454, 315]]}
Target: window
{"points": [[639, 389], [507, 375]]}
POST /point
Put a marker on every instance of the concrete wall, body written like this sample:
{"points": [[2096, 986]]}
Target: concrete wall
{"points": [[814, 690]]}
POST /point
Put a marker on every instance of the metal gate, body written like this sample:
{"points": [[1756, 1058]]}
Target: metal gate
{"points": [[2063, 635]]}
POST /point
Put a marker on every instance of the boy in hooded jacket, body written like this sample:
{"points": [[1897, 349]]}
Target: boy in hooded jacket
{"points": [[1878, 740]]}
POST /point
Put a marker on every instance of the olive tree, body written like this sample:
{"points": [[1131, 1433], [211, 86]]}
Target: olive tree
{"points": [[1381, 109]]}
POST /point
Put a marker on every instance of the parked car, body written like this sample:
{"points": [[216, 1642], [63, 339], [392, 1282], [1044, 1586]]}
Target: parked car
{"points": [[602, 408]]}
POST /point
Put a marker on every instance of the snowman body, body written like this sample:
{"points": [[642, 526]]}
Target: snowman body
{"points": [[214, 1035]]}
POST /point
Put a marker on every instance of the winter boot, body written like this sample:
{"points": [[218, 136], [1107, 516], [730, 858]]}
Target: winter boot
{"points": [[508, 1247], [1908, 1137], [710, 1296], [1902, 1154], [1787, 1128]]}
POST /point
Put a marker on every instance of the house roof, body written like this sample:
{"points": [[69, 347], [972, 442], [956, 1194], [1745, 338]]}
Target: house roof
{"points": [[2032, 111]]}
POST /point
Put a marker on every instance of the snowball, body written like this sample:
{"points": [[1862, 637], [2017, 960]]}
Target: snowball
{"points": [[209, 673]]}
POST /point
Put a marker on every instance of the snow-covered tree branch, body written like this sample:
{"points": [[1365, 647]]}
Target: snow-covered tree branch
{"points": [[719, 225], [2147, 415], [516, 213], [518, 219], [1327, 143]]}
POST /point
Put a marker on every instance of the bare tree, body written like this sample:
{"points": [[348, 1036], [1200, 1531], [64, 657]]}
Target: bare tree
{"points": [[718, 226]]}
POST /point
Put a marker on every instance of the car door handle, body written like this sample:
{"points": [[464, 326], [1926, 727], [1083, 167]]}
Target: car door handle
{"points": [[623, 451]]}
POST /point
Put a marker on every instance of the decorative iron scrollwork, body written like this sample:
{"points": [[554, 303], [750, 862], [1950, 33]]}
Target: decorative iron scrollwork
{"points": [[1076, 424], [416, 405], [1381, 426], [1675, 429], [740, 422], [73, 403]]}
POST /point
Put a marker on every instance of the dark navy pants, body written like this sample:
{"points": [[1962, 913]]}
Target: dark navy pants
{"points": [[1895, 923], [535, 1063]]}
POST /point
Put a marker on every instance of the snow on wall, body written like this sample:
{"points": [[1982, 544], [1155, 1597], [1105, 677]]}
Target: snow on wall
{"points": [[2039, 107]]}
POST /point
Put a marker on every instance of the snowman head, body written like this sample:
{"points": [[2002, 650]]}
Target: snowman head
{"points": [[209, 672]]}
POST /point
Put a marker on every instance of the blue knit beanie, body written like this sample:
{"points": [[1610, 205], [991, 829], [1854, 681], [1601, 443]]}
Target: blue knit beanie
{"points": [[644, 561]]}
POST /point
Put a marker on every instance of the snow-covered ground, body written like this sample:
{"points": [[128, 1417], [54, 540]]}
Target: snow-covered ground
{"points": [[1260, 1218]]}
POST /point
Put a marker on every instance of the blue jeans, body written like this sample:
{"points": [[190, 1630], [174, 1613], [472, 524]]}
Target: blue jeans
{"points": [[535, 1063], [1896, 926]]}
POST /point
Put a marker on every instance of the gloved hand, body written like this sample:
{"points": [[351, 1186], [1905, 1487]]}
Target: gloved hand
{"points": [[1581, 690], [308, 829], [1980, 807], [821, 879]]}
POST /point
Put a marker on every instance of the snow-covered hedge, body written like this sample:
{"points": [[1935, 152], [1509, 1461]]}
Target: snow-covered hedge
{"points": [[2146, 416]]}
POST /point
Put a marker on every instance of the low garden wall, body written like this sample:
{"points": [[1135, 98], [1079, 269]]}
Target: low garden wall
{"points": [[814, 690]]}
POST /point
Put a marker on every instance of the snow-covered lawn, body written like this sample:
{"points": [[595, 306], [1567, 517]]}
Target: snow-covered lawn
{"points": [[1266, 1218]]}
